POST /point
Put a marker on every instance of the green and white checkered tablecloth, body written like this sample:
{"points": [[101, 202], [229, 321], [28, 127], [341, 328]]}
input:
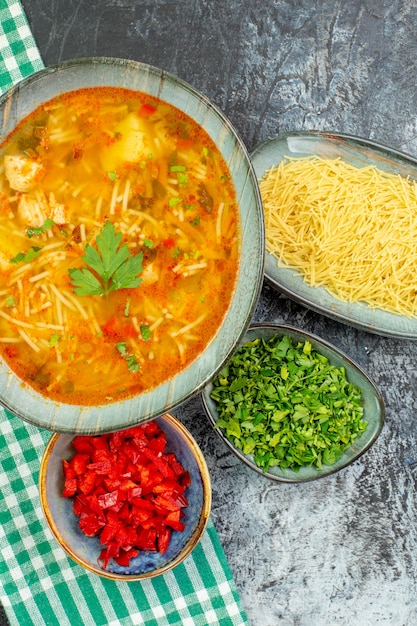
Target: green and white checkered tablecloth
{"points": [[39, 584], [19, 55]]}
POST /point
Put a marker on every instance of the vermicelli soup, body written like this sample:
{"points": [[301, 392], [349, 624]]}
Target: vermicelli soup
{"points": [[119, 245]]}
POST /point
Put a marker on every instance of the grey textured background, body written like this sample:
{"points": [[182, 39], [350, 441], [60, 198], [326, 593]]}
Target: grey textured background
{"points": [[342, 550]]}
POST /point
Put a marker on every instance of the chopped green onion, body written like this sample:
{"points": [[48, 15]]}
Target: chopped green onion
{"points": [[27, 257], [54, 340], [174, 201]]}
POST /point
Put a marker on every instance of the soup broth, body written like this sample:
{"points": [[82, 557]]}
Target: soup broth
{"points": [[119, 245]]}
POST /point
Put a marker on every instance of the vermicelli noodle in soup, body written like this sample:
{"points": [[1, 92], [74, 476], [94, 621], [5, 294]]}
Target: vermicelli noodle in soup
{"points": [[119, 245]]}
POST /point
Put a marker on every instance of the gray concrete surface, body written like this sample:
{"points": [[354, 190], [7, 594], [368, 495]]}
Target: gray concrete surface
{"points": [[342, 550]]}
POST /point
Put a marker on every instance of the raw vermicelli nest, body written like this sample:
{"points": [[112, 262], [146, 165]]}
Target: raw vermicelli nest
{"points": [[349, 229]]}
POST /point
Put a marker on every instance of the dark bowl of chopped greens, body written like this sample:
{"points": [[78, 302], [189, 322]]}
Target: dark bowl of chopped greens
{"points": [[293, 407]]}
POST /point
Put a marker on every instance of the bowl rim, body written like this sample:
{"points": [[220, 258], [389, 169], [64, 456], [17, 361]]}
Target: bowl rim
{"points": [[193, 541], [293, 479], [33, 407]]}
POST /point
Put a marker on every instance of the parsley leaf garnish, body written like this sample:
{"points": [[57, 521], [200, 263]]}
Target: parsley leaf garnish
{"points": [[130, 359], [112, 266], [37, 231], [145, 331], [27, 257]]}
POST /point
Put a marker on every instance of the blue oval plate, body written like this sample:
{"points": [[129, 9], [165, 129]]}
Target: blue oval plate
{"points": [[373, 405], [357, 152]]}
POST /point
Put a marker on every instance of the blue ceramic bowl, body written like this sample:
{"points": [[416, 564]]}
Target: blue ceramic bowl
{"points": [[85, 550], [23, 400], [373, 405]]}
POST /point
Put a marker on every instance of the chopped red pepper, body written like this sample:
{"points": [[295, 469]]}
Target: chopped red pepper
{"points": [[108, 500], [184, 143], [100, 467], [147, 539], [117, 330], [90, 524], [171, 503], [158, 443], [70, 487], [87, 482], [163, 539], [83, 443], [127, 490], [124, 557], [99, 443], [79, 463], [173, 520], [69, 471], [146, 110], [135, 492]]}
